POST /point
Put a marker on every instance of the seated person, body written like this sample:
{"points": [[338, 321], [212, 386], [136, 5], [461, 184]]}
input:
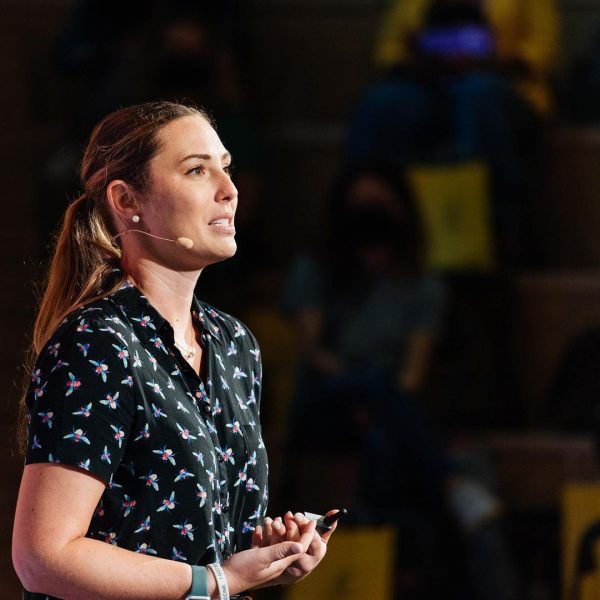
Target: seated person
{"points": [[367, 317], [366, 313], [461, 79]]}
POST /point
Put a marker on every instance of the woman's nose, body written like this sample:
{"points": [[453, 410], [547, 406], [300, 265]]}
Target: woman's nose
{"points": [[228, 191]]}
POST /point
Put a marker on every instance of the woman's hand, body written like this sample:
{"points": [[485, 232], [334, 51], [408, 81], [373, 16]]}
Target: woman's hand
{"points": [[263, 565], [293, 527]]}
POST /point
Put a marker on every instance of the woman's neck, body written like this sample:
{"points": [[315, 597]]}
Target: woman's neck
{"points": [[170, 292]]}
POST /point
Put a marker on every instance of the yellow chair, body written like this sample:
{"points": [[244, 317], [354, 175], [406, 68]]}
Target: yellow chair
{"points": [[359, 564], [278, 344], [454, 202], [580, 537]]}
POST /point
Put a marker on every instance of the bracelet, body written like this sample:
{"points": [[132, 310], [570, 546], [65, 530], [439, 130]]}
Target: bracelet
{"points": [[219, 574], [199, 589]]}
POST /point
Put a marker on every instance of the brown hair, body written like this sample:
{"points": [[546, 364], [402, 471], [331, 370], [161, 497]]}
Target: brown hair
{"points": [[120, 147]]}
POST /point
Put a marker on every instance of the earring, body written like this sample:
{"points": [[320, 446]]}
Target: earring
{"points": [[135, 218]]}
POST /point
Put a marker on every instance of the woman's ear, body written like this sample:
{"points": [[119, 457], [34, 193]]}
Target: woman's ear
{"points": [[122, 200]]}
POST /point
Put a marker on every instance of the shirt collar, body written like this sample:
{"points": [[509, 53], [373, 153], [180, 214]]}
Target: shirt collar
{"points": [[149, 324]]}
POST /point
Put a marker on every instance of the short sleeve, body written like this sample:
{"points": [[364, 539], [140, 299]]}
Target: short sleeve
{"points": [[304, 285], [429, 302], [80, 401]]}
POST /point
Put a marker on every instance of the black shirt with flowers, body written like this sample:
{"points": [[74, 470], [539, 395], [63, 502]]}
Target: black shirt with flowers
{"points": [[182, 457]]}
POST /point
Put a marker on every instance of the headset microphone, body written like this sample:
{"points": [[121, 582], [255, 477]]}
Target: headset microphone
{"points": [[182, 242]]}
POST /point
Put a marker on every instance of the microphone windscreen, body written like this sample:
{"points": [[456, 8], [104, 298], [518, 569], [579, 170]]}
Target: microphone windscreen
{"points": [[185, 243]]}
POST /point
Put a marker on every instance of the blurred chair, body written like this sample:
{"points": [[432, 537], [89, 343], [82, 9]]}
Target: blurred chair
{"points": [[360, 564], [581, 541], [454, 201], [280, 356]]}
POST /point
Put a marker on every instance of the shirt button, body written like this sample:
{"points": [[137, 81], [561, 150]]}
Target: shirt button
{"points": [[225, 508], [226, 555], [220, 458], [206, 408]]}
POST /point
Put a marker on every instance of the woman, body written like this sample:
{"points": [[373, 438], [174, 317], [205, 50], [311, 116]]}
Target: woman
{"points": [[143, 407]]}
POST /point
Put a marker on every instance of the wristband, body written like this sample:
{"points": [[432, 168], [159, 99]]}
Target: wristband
{"points": [[199, 589], [219, 574]]}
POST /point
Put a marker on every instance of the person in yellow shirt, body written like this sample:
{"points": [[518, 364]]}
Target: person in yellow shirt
{"points": [[460, 79], [525, 37]]}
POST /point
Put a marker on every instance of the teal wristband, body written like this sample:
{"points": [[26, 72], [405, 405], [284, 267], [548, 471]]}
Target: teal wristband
{"points": [[199, 589]]}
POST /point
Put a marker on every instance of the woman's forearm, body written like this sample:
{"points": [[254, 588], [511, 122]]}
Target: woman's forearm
{"points": [[417, 362], [86, 568]]}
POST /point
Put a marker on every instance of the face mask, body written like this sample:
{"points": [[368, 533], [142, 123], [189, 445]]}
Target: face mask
{"points": [[368, 226]]}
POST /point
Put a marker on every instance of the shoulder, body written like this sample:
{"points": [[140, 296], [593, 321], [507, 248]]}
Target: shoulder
{"points": [[104, 313], [99, 323]]}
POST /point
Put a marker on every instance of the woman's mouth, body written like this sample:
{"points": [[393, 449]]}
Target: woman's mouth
{"points": [[223, 225]]}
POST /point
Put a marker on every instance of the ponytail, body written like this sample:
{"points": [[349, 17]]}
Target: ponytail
{"points": [[83, 258], [120, 147]]}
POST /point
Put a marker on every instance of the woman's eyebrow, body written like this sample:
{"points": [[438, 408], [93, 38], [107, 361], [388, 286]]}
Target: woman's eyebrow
{"points": [[225, 156]]}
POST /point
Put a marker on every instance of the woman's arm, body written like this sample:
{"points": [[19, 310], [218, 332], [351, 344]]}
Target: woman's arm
{"points": [[417, 360], [52, 555]]}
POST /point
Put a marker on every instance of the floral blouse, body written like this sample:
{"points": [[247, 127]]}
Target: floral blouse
{"points": [[182, 457]]}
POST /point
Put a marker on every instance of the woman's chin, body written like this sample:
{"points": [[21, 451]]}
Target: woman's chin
{"points": [[222, 253]]}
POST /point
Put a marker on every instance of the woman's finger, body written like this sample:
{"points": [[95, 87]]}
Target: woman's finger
{"points": [[301, 520], [318, 546], [306, 533], [278, 557], [257, 538], [292, 531], [327, 534], [267, 531], [279, 530]]}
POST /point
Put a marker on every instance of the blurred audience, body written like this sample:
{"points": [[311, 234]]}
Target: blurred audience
{"points": [[462, 79], [111, 54], [367, 317], [364, 307], [580, 90], [572, 398]]}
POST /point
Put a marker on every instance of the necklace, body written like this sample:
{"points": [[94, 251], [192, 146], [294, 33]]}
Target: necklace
{"points": [[189, 352]]}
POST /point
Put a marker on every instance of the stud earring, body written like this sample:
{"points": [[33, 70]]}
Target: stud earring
{"points": [[135, 218]]}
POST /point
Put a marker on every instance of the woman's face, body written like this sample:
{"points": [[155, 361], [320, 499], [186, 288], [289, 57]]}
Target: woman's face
{"points": [[191, 194]]}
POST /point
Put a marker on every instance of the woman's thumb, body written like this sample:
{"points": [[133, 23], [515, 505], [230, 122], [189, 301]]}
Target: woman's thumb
{"points": [[283, 550]]}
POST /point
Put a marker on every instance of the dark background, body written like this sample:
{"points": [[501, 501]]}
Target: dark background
{"points": [[303, 64]]}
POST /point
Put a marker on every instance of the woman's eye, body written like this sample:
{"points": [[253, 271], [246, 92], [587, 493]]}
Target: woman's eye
{"points": [[196, 170], [229, 169]]}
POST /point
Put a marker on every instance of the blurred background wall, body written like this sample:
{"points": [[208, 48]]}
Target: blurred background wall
{"points": [[289, 74]]}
